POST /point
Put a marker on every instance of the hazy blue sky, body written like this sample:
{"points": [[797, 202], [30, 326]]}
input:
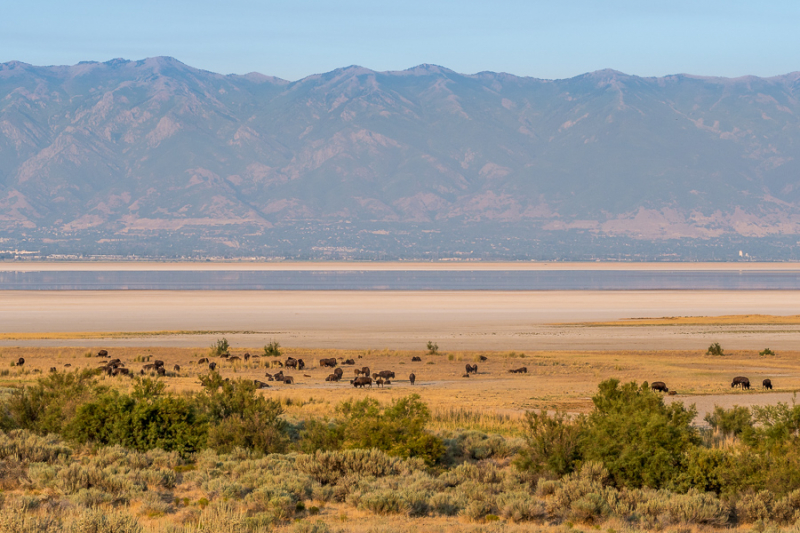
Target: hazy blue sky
{"points": [[294, 38]]}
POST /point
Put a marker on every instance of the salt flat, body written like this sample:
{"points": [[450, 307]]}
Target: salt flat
{"points": [[457, 320]]}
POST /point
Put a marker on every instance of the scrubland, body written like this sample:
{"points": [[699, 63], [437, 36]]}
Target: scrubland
{"points": [[579, 443]]}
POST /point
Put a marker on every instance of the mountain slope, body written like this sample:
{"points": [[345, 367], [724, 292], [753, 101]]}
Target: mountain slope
{"points": [[141, 147]]}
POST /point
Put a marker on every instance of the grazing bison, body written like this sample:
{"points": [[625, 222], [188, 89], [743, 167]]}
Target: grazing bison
{"points": [[741, 381], [767, 384], [149, 366], [339, 372], [386, 374], [484, 358], [246, 356], [234, 358], [379, 382], [260, 384], [659, 386], [176, 368], [416, 359], [20, 361], [333, 377], [364, 370], [158, 363], [124, 371], [288, 380], [67, 365], [361, 382], [412, 378], [53, 369], [202, 361], [520, 370], [212, 366], [331, 362], [278, 376], [465, 376], [102, 353], [472, 369], [161, 371], [291, 362], [349, 362]]}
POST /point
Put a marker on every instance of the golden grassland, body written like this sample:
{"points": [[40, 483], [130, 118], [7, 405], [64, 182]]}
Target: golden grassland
{"points": [[493, 400], [724, 320]]}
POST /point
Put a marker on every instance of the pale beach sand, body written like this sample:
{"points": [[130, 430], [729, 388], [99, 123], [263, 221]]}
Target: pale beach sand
{"points": [[462, 320]]}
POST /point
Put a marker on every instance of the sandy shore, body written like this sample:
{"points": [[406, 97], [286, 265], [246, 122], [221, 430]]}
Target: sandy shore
{"points": [[463, 320], [15, 266]]}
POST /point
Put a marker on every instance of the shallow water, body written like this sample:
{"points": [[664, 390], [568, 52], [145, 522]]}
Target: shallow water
{"points": [[402, 280]]}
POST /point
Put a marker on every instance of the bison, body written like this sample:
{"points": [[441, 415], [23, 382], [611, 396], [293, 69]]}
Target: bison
{"points": [[53, 369], [247, 356], [484, 358], [176, 368], [212, 365], [659, 386], [741, 381], [20, 361], [379, 382], [333, 377], [161, 371], [364, 370], [260, 384], [767, 384], [520, 370], [202, 361], [416, 359], [158, 363], [412, 378], [472, 369], [361, 382], [386, 374], [102, 353], [339, 372], [288, 380], [331, 362], [291, 362], [349, 362]]}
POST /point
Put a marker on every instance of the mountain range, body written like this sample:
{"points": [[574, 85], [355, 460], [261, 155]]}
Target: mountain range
{"points": [[155, 151]]}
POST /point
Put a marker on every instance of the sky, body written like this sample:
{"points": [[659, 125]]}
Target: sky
{"points": [[295, 38]]}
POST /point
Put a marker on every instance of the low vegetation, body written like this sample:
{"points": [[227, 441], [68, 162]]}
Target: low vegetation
{"points": [[78, 456]]}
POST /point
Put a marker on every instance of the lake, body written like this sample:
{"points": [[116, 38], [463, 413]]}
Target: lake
{"points": [[403, 280]]}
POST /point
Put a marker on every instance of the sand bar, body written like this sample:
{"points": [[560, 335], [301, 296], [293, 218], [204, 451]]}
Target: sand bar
{"points": [[481, 320]]}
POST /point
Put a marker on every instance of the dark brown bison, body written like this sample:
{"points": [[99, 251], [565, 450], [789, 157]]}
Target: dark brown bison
{"points": [[102, 353], [20, 361], [278, 376], [53, 369], [301, 364], [465, 376], [767, 384], [361, 382], [176, 368], [202, 361], [247, 356], [349, 362], [331, 362], [212, 365], [124, 371], [484, 358], [520, 370], [412, 378], [472, 369], [291, 362], [288, 380], [659, 386], [161, 371], [158, 363], [339, 372], [386, 374], [333, 377], [379, 382], [260, 384], [67, 365], [150, 366], [364, 371], [416, 359], [741, 381]]}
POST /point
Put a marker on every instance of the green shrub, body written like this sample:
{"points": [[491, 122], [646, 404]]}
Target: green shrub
{"points": [[715, 349], [273, 349], [398, 429], [220, 347], [636, 436], [735, 421], [433, 348], [766, 351], [552, 443]]}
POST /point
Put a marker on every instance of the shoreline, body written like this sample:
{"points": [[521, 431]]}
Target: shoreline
{"points": [[91, 266]]}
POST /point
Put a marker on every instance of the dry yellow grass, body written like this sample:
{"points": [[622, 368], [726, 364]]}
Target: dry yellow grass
{"points": [[724, 320], [492, 400]]}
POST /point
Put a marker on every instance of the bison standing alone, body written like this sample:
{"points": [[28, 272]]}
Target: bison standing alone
{"points": [[767, 384], [412, 378], [659, 386]]}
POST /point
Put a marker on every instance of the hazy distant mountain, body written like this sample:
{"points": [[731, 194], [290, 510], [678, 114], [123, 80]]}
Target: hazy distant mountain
{"points": [[154, 147]]}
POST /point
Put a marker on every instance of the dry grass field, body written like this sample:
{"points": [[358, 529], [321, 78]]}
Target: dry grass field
{"points": [[491, 400]]}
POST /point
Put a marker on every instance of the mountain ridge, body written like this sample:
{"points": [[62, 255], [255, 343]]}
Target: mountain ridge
{"points": [[122, 149]]}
